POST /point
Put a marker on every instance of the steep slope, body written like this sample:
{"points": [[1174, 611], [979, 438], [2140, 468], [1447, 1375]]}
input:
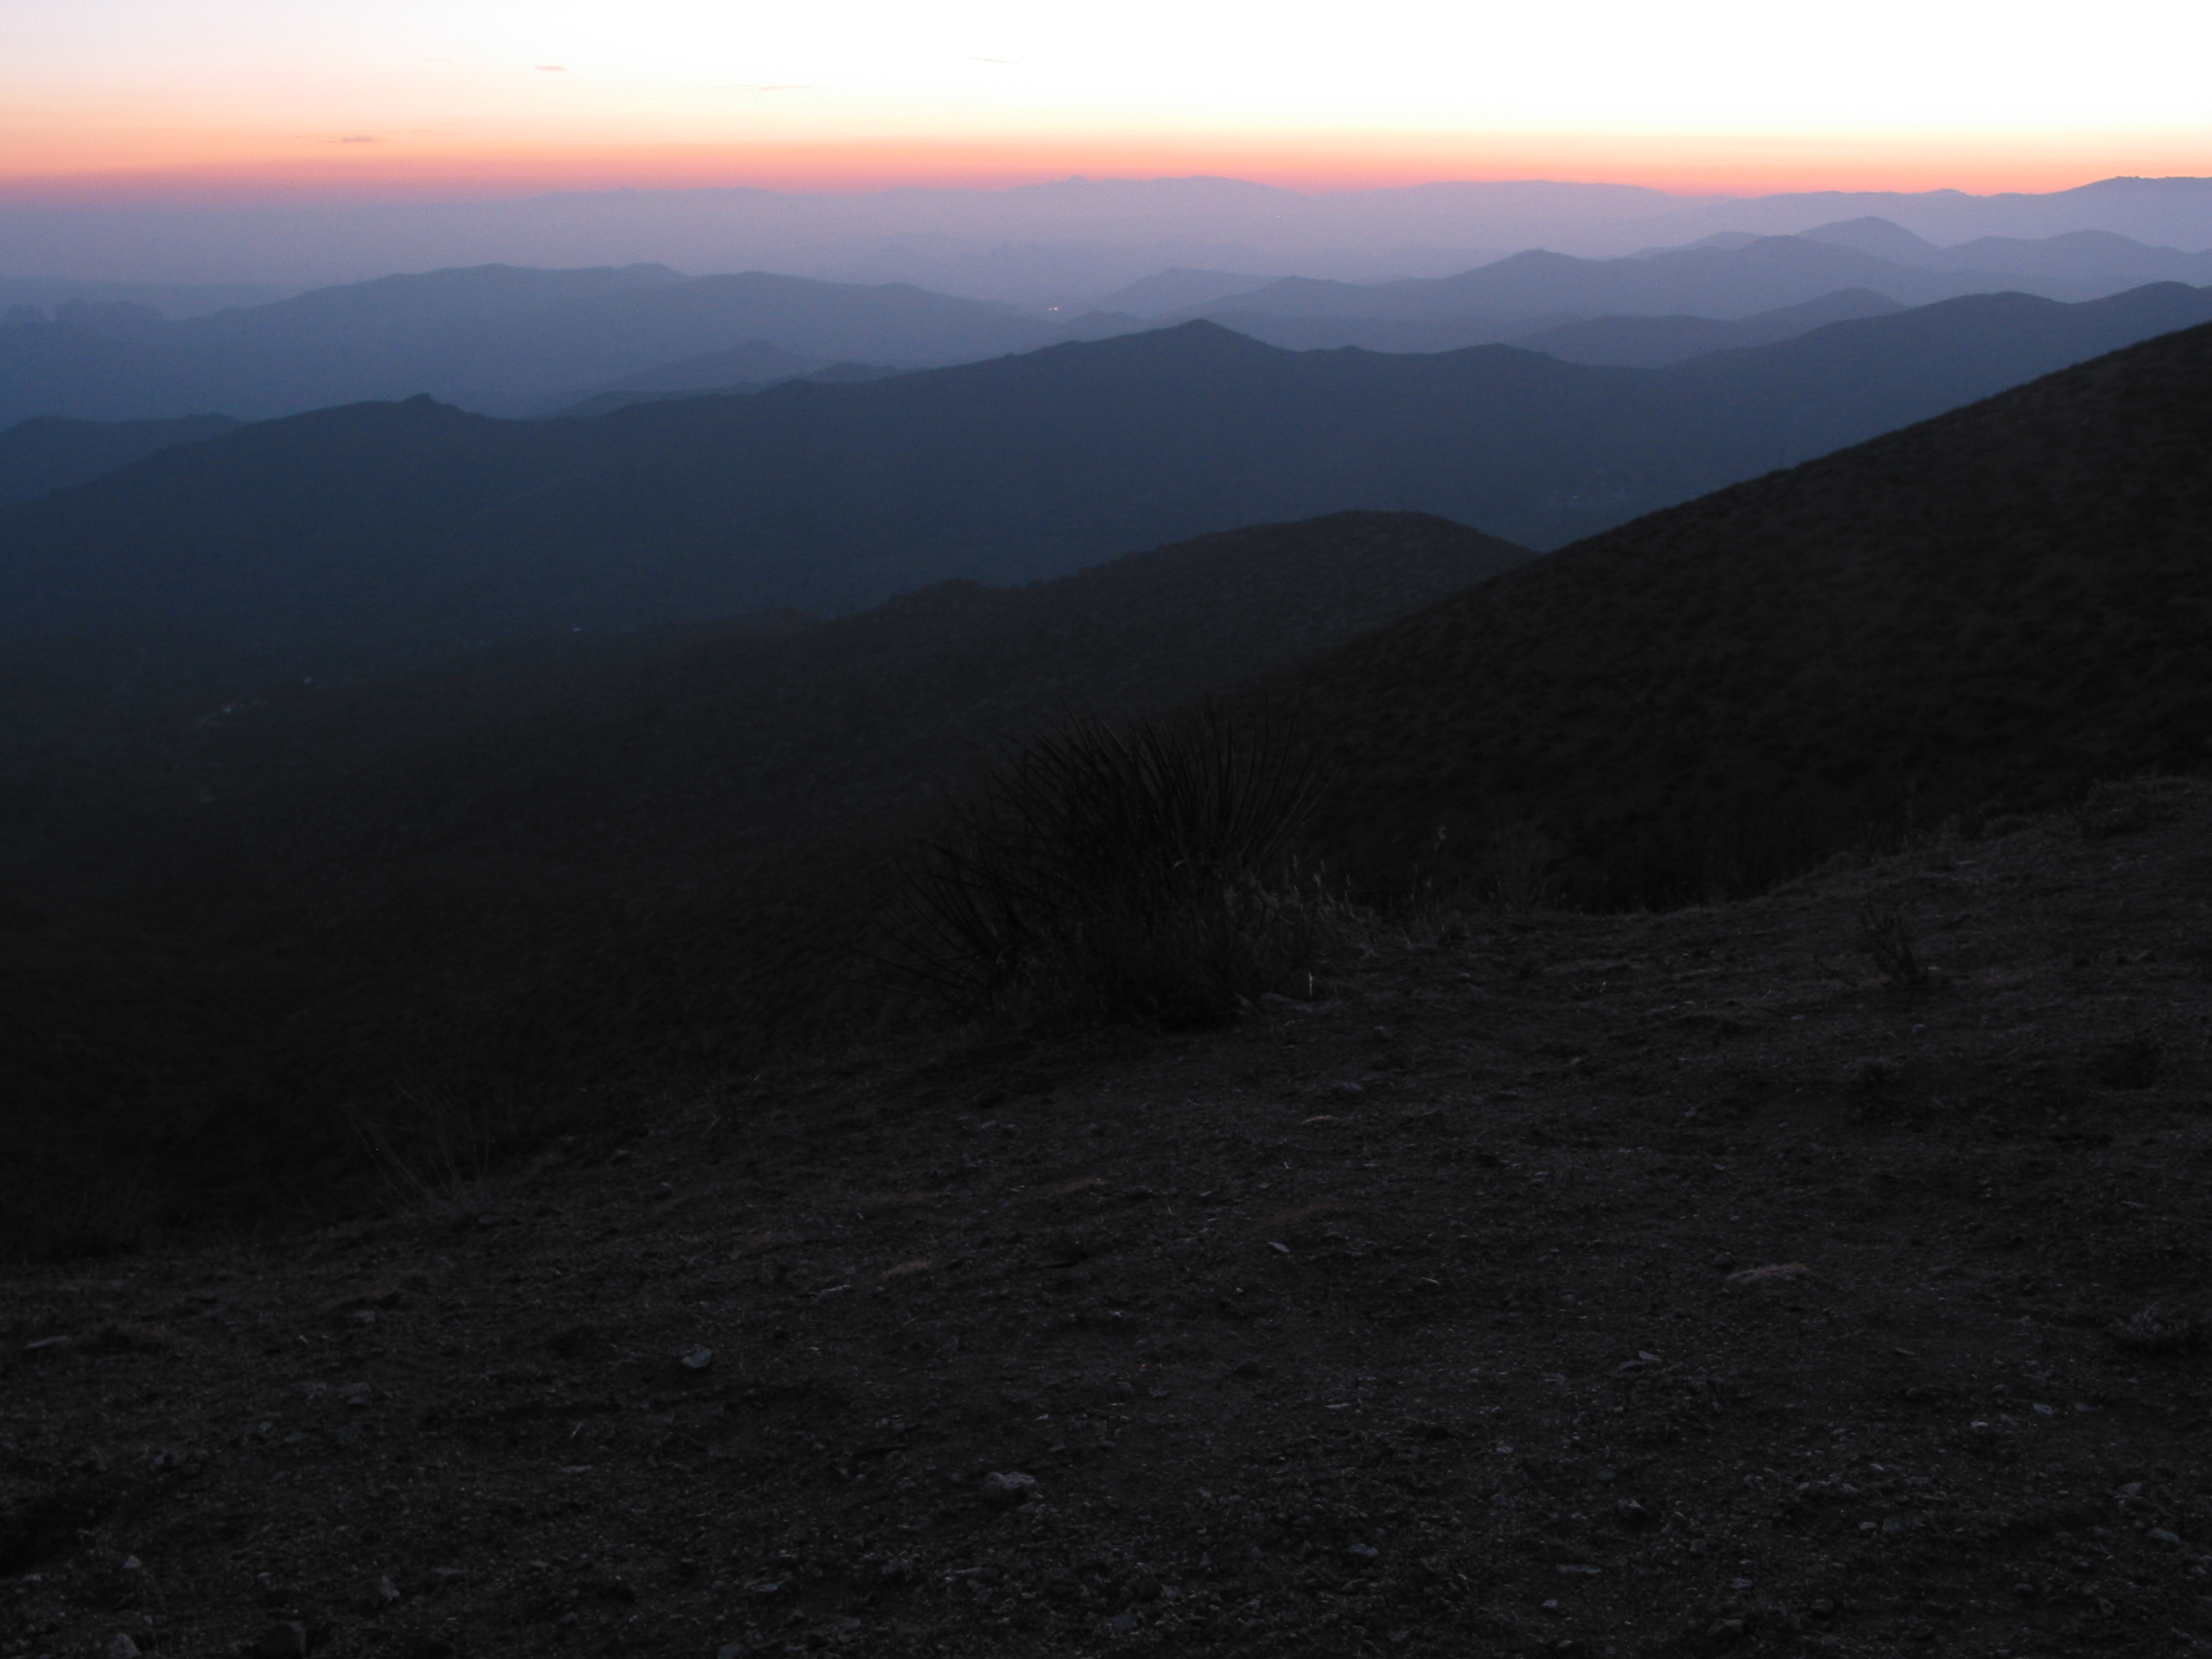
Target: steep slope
{"points": [[46, 453], [338, 542], [1991, 608]]}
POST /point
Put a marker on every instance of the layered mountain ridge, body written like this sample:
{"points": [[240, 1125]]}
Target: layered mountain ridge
{"points": [[355, 539]]}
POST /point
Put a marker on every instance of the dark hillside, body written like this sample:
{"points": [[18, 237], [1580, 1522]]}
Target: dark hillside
{"points": [[637, 858], [47, 453], [1988, 608], [279, 548], [646, 763], [355, 539]]}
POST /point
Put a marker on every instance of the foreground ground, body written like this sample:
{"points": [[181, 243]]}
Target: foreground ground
{"points": [[1662, 1284]]}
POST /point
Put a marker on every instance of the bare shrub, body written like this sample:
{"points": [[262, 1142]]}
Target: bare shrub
{"points": [[1884, 937], [1518, 863], [433, 1150], [1105, 875], [2154, 1330]]}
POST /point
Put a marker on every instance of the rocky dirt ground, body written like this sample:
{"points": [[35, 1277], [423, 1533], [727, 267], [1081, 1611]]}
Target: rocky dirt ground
{"points": [[1585, 1285]]}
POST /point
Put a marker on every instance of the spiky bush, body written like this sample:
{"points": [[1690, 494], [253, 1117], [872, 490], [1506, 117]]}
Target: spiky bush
{"points": [[1108, 874]]}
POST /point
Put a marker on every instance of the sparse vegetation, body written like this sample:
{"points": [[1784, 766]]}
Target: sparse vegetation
{"points": [[1112, 875], [2157, 1330], [1884, 935]]}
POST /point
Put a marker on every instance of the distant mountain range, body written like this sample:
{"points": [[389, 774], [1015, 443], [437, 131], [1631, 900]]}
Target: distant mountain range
{"points": [[1735, 280], [497, 339], [662, 845], [1654, 342], [1057, 244], [39, 294], [2090, 258], [698, 376], [1634, 342], [510, 341], [1987, 609], [48, 453], [349, 539]]}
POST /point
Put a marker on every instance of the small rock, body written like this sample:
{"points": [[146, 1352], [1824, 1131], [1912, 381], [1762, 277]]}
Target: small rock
{"points": [[386, 1591], [131, 1563], [698, 1360], [1725, 1629], [2159, 1535], [1009, 1490], [1346, 1090], [1723, 1262], [120, 1646], [287, 1641]]}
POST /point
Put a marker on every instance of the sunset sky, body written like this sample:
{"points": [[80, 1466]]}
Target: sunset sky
{"points": [[414, 97]]}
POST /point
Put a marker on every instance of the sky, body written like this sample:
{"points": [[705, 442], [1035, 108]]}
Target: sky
{"points": [[413, 98]]}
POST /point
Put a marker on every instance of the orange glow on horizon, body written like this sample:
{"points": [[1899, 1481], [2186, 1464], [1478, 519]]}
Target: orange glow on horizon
{"points": [[1722, 164]]}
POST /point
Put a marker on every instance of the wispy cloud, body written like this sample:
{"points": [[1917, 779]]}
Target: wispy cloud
{"points": [[776, 86], [551, 68], [354, 138], [1002, 63]]}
